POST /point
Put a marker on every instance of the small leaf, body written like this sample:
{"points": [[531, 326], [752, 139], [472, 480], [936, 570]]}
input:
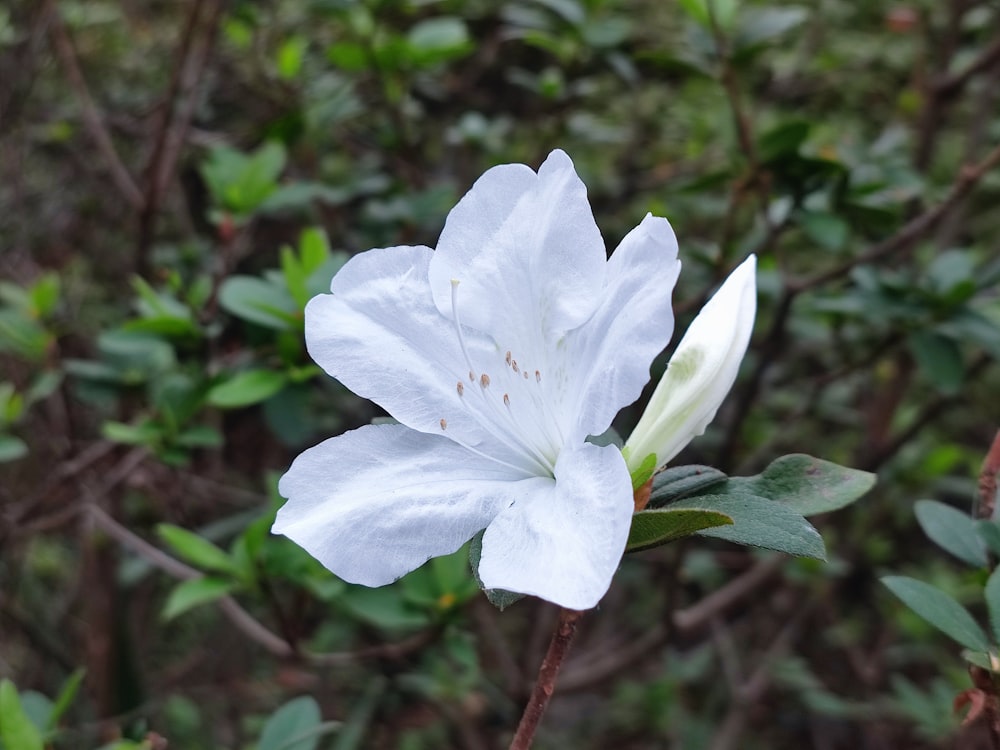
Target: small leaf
{"points": [[940, 610], [260, 302], [17, 732], [11, 448], [992, 595], [952, 530], [680, 481], [939, 358], [825, 229], [384, 608], [194, 592], [651, 528], [65, 698], [247, 388], [759, 522], [293, 726], [196, 550]]}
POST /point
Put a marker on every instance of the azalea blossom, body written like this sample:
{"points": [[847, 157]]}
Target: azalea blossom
{"points": [[499, 353]]}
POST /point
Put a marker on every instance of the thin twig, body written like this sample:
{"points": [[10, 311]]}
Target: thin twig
{"points": [[545, 685], [88, 110]]}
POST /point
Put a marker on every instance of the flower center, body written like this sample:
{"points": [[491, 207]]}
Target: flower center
{"points": [[508, 399]]}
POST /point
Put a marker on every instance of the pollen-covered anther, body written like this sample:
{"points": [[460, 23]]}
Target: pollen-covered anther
{"points": [[525, 374], [538, 376], [506, 400], [484, 380], [460, 387], [444, 424], [507, 358], [513, 365]]}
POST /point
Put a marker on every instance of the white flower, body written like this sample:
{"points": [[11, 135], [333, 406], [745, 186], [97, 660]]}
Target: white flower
{"points": [[498, 353], [700, 373]]}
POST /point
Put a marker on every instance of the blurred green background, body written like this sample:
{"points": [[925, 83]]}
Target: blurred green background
{"points": [[178, 178]]}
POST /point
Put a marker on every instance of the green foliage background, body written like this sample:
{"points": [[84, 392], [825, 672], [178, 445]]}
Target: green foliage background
{"points": [[178, 178]]}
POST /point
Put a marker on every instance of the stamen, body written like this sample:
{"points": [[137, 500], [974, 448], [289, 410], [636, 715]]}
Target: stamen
{"points": [[513, 366], [472, 376], [507, 358], [538, 376], [444, 424], [506, 400], [484, 380], [525, 374], [460, 387]]}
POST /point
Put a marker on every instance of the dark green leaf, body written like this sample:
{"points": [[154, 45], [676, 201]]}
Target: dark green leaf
{"points": [[651, 528], [383, 607], [12, 448], [940, 610], [802, 483], [759, 522], [680, 481], [992, 595], [989, 532], [296, 725], [952, 530], [825, 229], [939, 359], [260, 302]]}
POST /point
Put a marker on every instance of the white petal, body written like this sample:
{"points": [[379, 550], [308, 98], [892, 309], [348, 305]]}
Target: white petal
{"points": [[563, 543], [380, 335], [615, 348], [700, 372], [376, 503], [527, 252]]}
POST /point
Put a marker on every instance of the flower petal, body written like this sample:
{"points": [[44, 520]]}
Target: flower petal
{"points": [[381, 336], [633, 324], [701, 371], [377, 502], [527, 252], [563, 542]]}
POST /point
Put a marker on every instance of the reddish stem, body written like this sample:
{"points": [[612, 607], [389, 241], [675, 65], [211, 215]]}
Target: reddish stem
{"points": [[545, 685]]}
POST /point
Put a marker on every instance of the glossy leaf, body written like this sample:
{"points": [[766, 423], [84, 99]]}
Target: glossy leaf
{"points": [[197, 550], [651, 528], [680, 481], [246, 388], [195, 592]]}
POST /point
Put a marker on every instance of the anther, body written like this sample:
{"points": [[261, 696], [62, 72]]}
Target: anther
{"points": [[484, 380], [525, 374], [444, 424], [506, 400], [538, 376], [507, 358], [513, 366], [460, 387], [472, 376]]}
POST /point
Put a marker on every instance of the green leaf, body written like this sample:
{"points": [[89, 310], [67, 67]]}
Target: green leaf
{"points": [[760, 25], [940, 610], [290, 55], [989, 532], [783, 140], [67, 693], [383, 607], [939, 359], [992, 596], [436, 40], [759, 522], [827, 230], [11, 448], [952, 530], [17, 732], [296, 725], [196, 550], [803, 484], [680, 481], [651, 528], [194, 592], [146, 432], [260, 302], [23, 336], [643, 471], [246, 388]]}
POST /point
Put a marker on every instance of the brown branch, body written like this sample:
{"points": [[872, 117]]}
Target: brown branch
{"points": [[988, 480], [545, 685], [948, 86], [88, 109], [178, 111]]}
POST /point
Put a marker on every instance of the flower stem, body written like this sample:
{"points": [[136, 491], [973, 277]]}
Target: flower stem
{"points": [[545, 685]]}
